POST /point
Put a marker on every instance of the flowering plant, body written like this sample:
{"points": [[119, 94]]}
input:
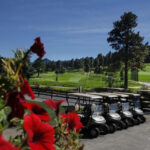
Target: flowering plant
{"points": [[36, 132]]}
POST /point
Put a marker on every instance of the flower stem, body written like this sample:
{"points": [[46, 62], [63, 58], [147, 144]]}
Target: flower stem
{"points": [[23, 61], [24, 142]]}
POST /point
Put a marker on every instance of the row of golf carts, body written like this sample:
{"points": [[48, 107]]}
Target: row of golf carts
{"points": [[103, 113]]}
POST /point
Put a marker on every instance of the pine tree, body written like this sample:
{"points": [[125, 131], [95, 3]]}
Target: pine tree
{"points": [[130, 44]]}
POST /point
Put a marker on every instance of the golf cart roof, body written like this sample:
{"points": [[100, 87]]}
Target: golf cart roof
{"points": [[110, 95], [130, 94], [86, 95], [123, 95], [117, 89], [115, 94]]}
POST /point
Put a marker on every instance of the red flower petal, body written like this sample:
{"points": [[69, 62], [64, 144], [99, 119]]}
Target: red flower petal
{"points": [[5, 145], [40, 135], [38, 110], [73, 121], [54, 104], [26, 89], [16, 100], [38, 47]]}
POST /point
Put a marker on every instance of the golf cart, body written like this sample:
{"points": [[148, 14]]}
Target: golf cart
{"points": [[111, 114], [138, 113], [90, 114], [125, 110]]}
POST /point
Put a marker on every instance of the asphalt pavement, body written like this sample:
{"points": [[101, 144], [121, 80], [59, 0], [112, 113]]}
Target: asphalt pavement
{"points": [[133, 138]]}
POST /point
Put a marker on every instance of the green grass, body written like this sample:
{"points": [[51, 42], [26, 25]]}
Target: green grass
{"points": [[71, 80], [133, 84], [144, 76]]}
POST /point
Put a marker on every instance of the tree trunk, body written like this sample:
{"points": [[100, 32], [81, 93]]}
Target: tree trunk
{"points": [[126, 68], [56, 78], [38, 74], [126, 75]]}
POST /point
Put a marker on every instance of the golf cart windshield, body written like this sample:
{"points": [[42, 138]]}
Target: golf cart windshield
{"points": [[113, 107], [98, 109], [125, 106], [137, 102]]}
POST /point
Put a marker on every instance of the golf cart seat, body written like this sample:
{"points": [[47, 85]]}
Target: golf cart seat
{"points": [[87, 110], [70, 109]]}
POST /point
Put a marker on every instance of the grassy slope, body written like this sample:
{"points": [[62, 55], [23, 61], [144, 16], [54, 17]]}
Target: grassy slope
{"points": [[70, 80], [144, 76]]}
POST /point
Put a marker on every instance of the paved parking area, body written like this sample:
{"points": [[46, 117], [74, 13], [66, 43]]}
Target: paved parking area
{"points": [[133, 138]]}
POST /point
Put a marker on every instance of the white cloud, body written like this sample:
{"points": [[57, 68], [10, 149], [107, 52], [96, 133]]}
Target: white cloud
{"points": [[90, 30], [71, 30]]}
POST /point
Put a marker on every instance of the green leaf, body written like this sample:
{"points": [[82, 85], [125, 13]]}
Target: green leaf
{"points": [[1, 105], [7, 110], [50, 111], [26, 148], [1, 128], [58, 148], [3, 116]]}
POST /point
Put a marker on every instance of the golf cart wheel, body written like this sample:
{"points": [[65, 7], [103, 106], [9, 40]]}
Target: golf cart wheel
{"points": [[84, 131], [136, 121], [104, 129], [139, 119], [117, 125], [143, 119], [112, 128], [94, 132], [129, 122], [124, 125]]}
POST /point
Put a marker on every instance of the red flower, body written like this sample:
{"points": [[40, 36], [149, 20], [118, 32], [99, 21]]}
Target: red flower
{"points": [[16, 101], [40, 135], [54, 104], [38, 110], [38, 47], [73, 121], [26, 89], [5, 145]]}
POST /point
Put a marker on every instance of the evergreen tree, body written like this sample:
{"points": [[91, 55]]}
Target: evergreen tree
{"points": [[86, 68], [130, 44], [87, 64], [38, 65], [78, 63], [147, 59], [1, 66]]}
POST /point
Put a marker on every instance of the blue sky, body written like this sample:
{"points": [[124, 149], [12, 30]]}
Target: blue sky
{"points": [[68, 28]]}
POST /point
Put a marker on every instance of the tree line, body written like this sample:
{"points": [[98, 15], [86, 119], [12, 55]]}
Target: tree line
{"points": [[108, 63], [97, 65], [101, 63]]}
